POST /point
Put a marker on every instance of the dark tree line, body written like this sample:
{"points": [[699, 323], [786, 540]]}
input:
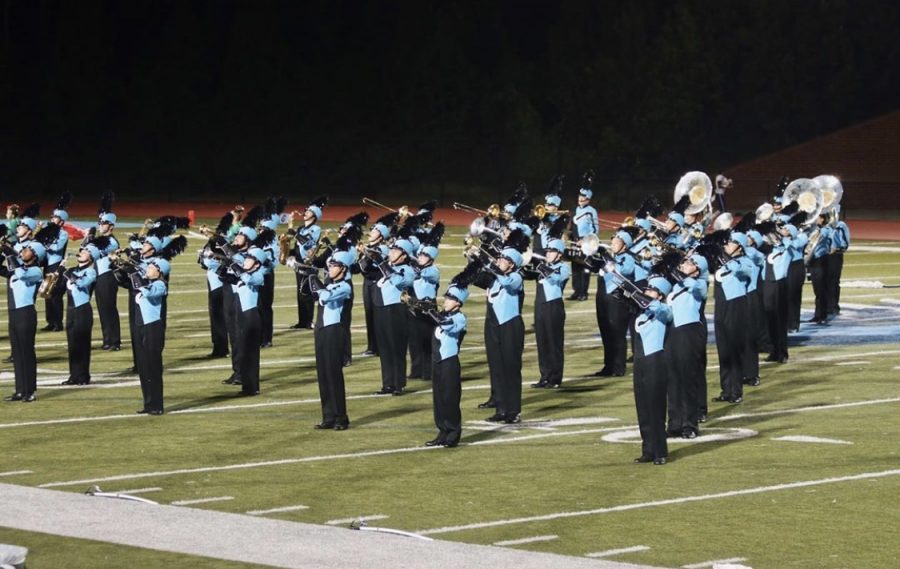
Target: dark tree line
{"points": [[198, 99]]}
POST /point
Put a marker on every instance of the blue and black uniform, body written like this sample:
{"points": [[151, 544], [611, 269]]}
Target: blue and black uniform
{"points": [[840, 242], [818, 274], [245, 287], [732, 331], [307, 241], [391, 327], [447, 385], [584, 223], [79, 283], [56, 252], [686, 346], [550, 322], [330, 337], [215, 302], [504, 338], [105, 295], [613, 314], [421, 328], [21, 292], [651, 372], [151, 338]]}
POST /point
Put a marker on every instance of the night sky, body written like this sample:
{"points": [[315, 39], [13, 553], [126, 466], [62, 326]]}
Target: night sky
{"points": [[159, 99]]}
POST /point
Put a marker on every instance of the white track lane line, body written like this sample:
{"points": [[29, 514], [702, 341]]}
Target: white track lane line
{"points": [[524, 540], [276, 510], [620, 551], [139, 490], [344, 521], [16, 472], [202, 500], [713, 563], [667, 502]]}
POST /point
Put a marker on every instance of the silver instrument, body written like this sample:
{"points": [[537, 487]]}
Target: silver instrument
{"points": [[808, 195], [699, 189]]}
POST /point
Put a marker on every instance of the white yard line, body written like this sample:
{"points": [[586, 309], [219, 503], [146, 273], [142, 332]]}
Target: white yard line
{"points": [[808, 439], [139, 490], [202, 500], [620, 551], [525, 540], [15, 472], [852, 363], [276, 510], [807, 409], [658, 503], [713, 563], [344, 521], [321, 458]]}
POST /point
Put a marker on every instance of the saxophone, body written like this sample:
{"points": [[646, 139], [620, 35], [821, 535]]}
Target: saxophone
{"points": [[284, 242], [45, 289]]}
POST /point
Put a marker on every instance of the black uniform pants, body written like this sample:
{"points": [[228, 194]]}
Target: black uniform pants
{"points": [[105, 294], [266, 299], [133, 324], [249, 331], [580, 280], [686, 347], [393, 338], [796, 278], [756, 321], [775, 305], [54, 303], [835, 268], [217, 328], [330, 373], [370, 291], [549, 332], [149, 362], [504, 344], [421, 334], [614, 316], [732, 335], [650, 373], [818, 273], [231, 304], [306, 304], [447, 394], [79, 325], [760, 333], [22, 329]]}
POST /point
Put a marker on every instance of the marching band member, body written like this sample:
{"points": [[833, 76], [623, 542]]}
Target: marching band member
{"points": [[774, 290], [376, 250], [550, 314], [267, 240], [333, 298], [151, 334], [107, 289], [390, 316], [614, 311], [584, 222], [352, 229], [22, 235], [425, 286], [449, 331], [651, 370], [758, 332], [840, 242], [245, 278], [686, 346], [504, 331], [797, 268], [24, 274], [237, 252], [79, 282], [214, 286], [731, 318], [56, 252], [818, 270], [307, 241]]}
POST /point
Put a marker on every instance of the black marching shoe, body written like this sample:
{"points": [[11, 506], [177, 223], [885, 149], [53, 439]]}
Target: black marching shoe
{"points": [[31, 397], [541, 384], [384, 391], [341, 426], [266, 345], [604, 372], [48, 328], [496, 418], [489, 404], [512, 419], [214, 355], [435, 442], [143, 411], [155, 412], [573, 296], [643, 458], [551, 385], [69, 381], [689, 434], [659, 461], [736, 400], [324, 425], [14, 397], [703, 418], [397, 392], [721, 398], [231, 381], [348, 363], [751, 381], [369, 353], [248, 393]]}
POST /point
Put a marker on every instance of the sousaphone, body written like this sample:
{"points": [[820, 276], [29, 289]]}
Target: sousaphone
{"points": [[699, 189], [808, 195]]}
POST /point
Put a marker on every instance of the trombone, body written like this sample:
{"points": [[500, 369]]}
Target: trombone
{"points": [[493, 210], [403, 211], [540, 211]]}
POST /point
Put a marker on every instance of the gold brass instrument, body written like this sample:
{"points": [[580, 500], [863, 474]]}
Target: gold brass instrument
{"points": [[324, 241], [284, 247], [540, 211], [418, 306], [45, 289], [403, 210], [699, 189], [146, 226]]}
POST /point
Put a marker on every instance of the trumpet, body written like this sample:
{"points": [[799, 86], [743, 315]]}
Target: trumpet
{"points": [[540, 211], [403, 211]]}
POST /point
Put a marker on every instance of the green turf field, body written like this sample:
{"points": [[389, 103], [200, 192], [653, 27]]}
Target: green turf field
{"points": [[566, 471]]}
